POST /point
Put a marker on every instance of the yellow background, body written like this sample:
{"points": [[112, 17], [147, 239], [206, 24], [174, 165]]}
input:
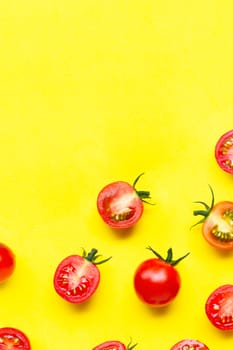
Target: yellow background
{"points": [[98, 91]]}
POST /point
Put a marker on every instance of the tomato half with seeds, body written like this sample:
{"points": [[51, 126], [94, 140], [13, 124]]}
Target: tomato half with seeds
{"points": [[114, 345], [224, 152], [219, 307], [189, 344], [120, 205], [156, 281], [77, 277], [13, 339], [7, 262], [217, 222]]}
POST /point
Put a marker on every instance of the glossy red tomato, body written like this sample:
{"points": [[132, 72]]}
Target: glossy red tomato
{"points": [[77, 277], [13, 339], [120, 205], [189, 344], [7, 262], [224, 152], [114, 345], [156, 281], [219, 307], [217, 225]]}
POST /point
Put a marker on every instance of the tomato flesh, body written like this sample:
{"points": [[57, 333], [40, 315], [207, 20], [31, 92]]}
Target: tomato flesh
{"points": [[14, 339], [7, 262], [224, 152], [110, 345], [119, 205], [218, 226], [219, 307], [76, 279], [189, 344], [156, 282]]}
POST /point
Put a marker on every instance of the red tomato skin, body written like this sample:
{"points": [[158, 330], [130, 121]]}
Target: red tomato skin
{"points": [[110, 345], [189, 344], [212, 220], [113, 199], [219, 309], [224, 154], [7, 262], [156, 282], [81, 267], [10, 334]]}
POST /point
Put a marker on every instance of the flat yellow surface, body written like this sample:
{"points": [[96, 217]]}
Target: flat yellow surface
{"points": [[98, 91]]}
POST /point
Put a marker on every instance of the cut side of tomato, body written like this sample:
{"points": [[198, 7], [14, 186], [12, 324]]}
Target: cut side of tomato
{"points": [[218, 226], [219, 307], [217, 223], [76, 279], [111, 345], [13, 339], [189, 344], [224, 152], [120, 205]]}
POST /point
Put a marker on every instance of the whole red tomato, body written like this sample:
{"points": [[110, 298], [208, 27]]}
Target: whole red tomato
{"points": [[219, 307], [114, 345], [224, 152], [7, 262], [120, 205], [156, 281], [217, 222], [189, 344], [12, 338], [77, 277]]}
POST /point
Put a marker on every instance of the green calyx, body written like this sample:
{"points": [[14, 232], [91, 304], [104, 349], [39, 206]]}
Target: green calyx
{"points": [[92, 257], [131, 346], [142, 194], [169, 259], [207, 209]]}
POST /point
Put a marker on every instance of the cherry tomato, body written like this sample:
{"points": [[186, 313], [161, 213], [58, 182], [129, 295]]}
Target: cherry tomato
{"points": [[156, 281], [189, 344], [217, 221], [7, 262], [219, 307], [224, 152], [120, 205], [77, 277], [114, 345], [12, 338]]}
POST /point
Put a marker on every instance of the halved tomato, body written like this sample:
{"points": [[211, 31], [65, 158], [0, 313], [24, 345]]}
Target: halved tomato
{"points": [[120, 205], [218, 227], [219, 307], [189, 344], [114, 345], [77, 277], [217, 222], [13, 339], [224, 152], [110, 345]]}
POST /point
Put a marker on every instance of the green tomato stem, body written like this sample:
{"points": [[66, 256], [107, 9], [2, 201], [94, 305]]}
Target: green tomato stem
{"points": [[91, 256], [169, 259]]}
